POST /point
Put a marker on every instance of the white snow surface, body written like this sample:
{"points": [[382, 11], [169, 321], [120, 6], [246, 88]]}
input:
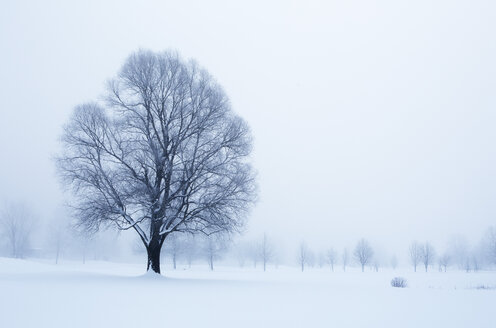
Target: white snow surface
{"points": [[105, 294]]}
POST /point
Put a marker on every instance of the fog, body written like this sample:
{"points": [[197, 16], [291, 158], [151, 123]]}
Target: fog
{"points": [[370, 119]]}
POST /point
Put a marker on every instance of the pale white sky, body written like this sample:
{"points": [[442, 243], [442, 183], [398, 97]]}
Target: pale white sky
{"points": [[370, 118]]}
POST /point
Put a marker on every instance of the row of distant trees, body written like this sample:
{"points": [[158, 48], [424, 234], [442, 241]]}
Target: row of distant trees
{"points": [[18, 223], [265, 252], [424, 254]]}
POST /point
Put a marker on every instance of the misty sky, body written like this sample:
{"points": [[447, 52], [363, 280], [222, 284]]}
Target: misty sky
{"points": [[371, 119]]}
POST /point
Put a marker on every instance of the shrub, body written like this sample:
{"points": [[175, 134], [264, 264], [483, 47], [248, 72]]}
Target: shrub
{"points": [[398, 282]]}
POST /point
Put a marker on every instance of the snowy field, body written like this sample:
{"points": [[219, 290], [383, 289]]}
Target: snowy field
{"points": [[103, 294]]}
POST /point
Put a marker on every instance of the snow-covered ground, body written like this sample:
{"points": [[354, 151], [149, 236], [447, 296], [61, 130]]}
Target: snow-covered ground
{"points": [[103, 294]]}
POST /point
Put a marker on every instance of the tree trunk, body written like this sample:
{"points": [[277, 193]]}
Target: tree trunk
{"points": [[363, 266], [153, 251]]}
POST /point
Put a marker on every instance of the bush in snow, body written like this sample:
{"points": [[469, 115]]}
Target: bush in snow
{"points": [[398, 282]]}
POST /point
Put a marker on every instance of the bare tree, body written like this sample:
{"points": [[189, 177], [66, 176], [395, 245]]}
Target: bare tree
{"points": [[444, 261], [266, 251], [59, 232], [165, 153], [459, 252], [17, 224], [376, 264], [214, 246], [428, 254], [242, 252], [363, 253], [173, 248], [331, 256], [475, 262], [345, 258], [190, 250], [303, 255], [254, 253], [84, 238], [415, 253], [490, 244], [58, 238]]}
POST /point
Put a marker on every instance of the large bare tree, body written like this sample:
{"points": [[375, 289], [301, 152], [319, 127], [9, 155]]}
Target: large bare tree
{"points": [[163, 154]]}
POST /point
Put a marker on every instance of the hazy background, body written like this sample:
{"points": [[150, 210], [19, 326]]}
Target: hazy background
{"points": [[371, 118]]}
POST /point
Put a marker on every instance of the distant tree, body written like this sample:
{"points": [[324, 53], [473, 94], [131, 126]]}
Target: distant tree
{"points": [[376, 265], [242, 251], [254, 253], [444, 261], [490, 244], [331, 258], [190, 249], [321, 259], [311, 258], [415, 253], [363, 253], [60, 232], [475, 262], [394, 262], [467, 266], [174, 247], [58, 238], [17, 224], [428, 254], [266, 251], [345, 258], [303, 255], [164, 153], [459, 252], [214, 246], [82, 238]]}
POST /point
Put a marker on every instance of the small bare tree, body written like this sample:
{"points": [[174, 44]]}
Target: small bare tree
{"points": [[266, 251], [165, 153], [459, 252], [174, 248], [428, 254], [444, 261], [490, 244], [190, 249], [415, 253], [331, 256], [376, 264], [17, 224], [58, 238], [303, 255], [84, 238], [363, 253], [345, 258], [214, 246]]}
